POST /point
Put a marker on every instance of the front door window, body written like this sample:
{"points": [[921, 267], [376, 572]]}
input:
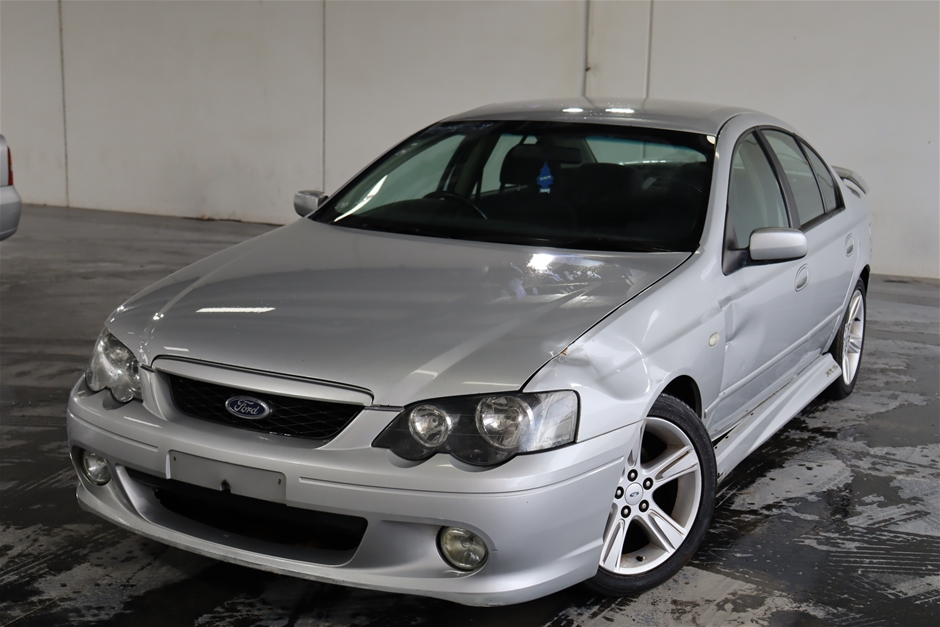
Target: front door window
{"points": [[755, 199]]}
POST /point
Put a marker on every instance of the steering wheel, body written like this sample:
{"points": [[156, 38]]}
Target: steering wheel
{"points": [[457, 198]]}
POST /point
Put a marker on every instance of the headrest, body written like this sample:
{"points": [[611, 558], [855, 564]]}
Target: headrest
{"points": [[522, 163]]}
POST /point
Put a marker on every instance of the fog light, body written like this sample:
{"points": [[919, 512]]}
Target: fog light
{"points": [[462, 549], [95, 468]]}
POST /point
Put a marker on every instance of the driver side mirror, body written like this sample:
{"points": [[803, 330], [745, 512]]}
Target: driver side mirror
{"points": [[777, 244], [307, 201]]}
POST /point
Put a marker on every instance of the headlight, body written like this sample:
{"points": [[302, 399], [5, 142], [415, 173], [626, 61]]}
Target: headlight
{"points": [[483, 430], [429, 425], [504, 420], [113, 366]]}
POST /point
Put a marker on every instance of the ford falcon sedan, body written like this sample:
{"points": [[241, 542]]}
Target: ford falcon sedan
{"points": [[517, 352]]}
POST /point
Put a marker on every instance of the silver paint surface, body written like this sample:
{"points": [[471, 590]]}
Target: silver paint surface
{"points": [[404, 318], [677, 115]]}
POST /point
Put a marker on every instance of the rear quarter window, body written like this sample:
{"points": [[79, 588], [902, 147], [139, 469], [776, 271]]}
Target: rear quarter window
{"points": [[827, 185]]}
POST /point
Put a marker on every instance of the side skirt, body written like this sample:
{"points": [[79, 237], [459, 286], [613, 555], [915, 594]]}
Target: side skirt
{"points": [[770, 416]]}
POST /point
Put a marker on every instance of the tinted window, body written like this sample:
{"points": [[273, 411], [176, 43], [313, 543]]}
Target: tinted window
{"points": [[754, 197], [491, 170], [417, 176], [581, 186], [801, 177], [826, 185]]}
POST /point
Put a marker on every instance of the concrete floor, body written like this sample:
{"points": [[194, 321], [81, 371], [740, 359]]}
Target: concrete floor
{"points": [[835, 521]]}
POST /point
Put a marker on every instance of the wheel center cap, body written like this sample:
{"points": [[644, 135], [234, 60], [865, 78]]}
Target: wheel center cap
{"points": [[633, 494]]}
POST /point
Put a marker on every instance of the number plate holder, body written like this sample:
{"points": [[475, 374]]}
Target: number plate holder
{"points": [[215, 475]]}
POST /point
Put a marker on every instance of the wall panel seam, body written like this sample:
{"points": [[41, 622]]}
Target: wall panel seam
{"points": [[586, 64], [323, 103], [649, 53], [65, 134]]}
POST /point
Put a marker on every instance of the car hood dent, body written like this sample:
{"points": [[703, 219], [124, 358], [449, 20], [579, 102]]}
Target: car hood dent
{"points": [[404, 317]]}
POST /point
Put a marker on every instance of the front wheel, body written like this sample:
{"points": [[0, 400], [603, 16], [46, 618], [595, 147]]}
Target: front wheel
{"points": [[663, 503]]}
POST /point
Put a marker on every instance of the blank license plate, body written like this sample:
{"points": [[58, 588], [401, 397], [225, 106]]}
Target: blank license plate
{"points": [[216, 475]]}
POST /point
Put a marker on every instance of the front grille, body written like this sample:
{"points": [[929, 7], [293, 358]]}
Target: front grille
{"points": [[254, 518], [295, 417]]}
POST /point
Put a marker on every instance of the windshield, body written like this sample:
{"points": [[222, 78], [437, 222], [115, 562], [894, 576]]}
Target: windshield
{"points": [[581, 186]]}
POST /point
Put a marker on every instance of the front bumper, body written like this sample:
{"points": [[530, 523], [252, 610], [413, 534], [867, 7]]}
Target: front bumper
{"points": [[542, 515]]}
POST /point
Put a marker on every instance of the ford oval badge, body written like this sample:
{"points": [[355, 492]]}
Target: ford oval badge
{"points": [[247, 407]]}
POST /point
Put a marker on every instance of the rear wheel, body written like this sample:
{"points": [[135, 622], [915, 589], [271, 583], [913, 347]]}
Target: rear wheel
{"points": [[848, 344], [663, 503]]}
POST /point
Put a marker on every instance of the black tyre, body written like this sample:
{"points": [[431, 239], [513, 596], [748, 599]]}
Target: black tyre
{"points": [[848, 344], [663, 504]]}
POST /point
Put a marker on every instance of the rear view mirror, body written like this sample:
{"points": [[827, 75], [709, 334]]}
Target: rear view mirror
{"points": [[777, 244], [307, 201]]}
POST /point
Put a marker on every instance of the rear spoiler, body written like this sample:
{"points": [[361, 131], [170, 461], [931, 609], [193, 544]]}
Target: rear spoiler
{"points": [[852, 177]]}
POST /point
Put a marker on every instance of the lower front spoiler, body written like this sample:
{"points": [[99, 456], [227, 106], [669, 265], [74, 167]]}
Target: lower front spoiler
{"points": [[542, 540]]}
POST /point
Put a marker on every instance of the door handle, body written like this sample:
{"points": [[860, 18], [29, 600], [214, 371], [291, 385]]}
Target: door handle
{"points": [[849, 245], [802, 278]]}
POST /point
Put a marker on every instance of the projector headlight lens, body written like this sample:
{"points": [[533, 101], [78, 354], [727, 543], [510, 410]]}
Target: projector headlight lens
{"points": [[504, 420], [429, 425]]}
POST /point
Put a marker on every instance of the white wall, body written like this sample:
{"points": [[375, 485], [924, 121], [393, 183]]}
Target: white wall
{"points": [[860, 81], [618, 48], [31, 99], [394, 67], [192, 108], [227, 108]]}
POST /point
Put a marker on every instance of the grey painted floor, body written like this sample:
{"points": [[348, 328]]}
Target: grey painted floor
{"points": [[835, 521]]}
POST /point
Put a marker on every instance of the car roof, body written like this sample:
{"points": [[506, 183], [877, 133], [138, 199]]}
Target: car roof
{"points": [[696, 117]]}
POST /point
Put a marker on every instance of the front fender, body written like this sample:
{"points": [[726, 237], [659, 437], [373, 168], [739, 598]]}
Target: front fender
{"points": [[622, 365]]}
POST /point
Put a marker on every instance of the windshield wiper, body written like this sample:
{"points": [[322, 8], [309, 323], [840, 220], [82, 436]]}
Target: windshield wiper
{"points": [[583, 242], [403, 228], [599, 242]]}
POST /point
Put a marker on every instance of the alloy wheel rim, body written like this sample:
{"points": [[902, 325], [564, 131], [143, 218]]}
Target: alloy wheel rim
{"points": [[656, 502], [853, 337]]}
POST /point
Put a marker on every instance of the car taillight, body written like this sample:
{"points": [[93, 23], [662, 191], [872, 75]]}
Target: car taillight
{"points": [[9, 167]]}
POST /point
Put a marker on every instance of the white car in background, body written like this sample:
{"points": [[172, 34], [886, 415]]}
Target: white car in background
{"points": [[10, 203]]}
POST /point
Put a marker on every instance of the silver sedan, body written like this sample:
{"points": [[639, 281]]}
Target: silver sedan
{"points": [[517, 352]]}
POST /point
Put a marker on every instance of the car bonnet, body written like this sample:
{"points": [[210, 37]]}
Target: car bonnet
{"points": [[405, 317]]}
